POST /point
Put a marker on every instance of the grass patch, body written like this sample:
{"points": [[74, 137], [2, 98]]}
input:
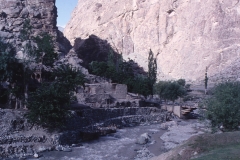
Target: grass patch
{"points": [[218, 146], [230, 152], [208, 142]]}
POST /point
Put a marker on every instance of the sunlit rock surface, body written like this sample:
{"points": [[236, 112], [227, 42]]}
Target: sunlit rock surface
{"points": [[43, 18], [13, 13], [188, 35]]}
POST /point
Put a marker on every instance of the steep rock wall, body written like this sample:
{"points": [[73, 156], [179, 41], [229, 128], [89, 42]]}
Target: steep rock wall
{"points": [[42, 15], [189, 35]]}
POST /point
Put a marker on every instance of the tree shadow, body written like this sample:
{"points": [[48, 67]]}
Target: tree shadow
{"points": [[7, 52]]}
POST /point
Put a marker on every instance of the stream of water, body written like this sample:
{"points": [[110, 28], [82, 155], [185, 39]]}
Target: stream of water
{"points": [[118, 146]]}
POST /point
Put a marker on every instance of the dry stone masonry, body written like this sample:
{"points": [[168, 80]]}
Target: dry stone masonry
{"points": [[104, 95], [189, 35]]}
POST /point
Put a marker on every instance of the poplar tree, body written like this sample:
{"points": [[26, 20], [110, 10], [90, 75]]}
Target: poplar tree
{"points": [[152, 70], [206, 81]]}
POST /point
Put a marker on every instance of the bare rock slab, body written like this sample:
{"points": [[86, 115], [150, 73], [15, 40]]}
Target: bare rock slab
{"points": [[188, 35]]}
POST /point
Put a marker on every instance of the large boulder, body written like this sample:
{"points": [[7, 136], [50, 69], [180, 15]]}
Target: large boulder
{"points": [[143, 139], [188, 35]]}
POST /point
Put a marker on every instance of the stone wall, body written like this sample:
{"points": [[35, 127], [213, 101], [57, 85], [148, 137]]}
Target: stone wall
{"points": [[95, 122], [102, 95], [120, 91]]}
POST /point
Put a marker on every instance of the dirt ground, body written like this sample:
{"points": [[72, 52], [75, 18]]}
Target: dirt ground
{"points": [[218, 146]]}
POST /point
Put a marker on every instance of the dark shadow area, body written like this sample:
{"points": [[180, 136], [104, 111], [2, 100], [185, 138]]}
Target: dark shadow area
{"points": [[97, 49], [92, 49], [7, 65], [102, 60], [63, 43]]}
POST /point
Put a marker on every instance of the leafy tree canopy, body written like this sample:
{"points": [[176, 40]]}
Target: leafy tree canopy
{"points": [[223, 107], [170, 90], [152, 70], [121, 71]]}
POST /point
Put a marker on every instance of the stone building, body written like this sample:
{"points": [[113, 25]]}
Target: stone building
{"points": [[102, 94]]}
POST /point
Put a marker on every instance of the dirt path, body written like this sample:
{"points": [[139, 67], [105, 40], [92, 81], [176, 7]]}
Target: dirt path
{"points": [[178, 135]]}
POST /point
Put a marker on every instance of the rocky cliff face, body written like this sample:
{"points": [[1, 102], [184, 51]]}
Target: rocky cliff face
{"points": [[188, 35], [42, 15]]}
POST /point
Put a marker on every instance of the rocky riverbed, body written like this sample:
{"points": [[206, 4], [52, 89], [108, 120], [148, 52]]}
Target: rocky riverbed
{"points": [[18, 138], [154, 140]]}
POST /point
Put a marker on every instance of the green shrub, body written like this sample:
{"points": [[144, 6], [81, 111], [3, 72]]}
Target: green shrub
{"points": [[152, 70], [160, 87], [98, 68], [45, 53], [168, 90], [8, 62], [68, 77], [140, 85], [48, 105], [181, 82], [11, 71], [188, 98], [223, 107], [120, 71]]}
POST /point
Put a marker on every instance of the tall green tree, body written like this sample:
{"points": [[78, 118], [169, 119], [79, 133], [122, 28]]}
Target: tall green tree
{"points": [[10, 71], [121, 71], [37, 53], [28, 54], [49, 105], [45, 53], [206, 81], [26, 58], [170, 90], [223, 107], [7, 61], [152, 70]]}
